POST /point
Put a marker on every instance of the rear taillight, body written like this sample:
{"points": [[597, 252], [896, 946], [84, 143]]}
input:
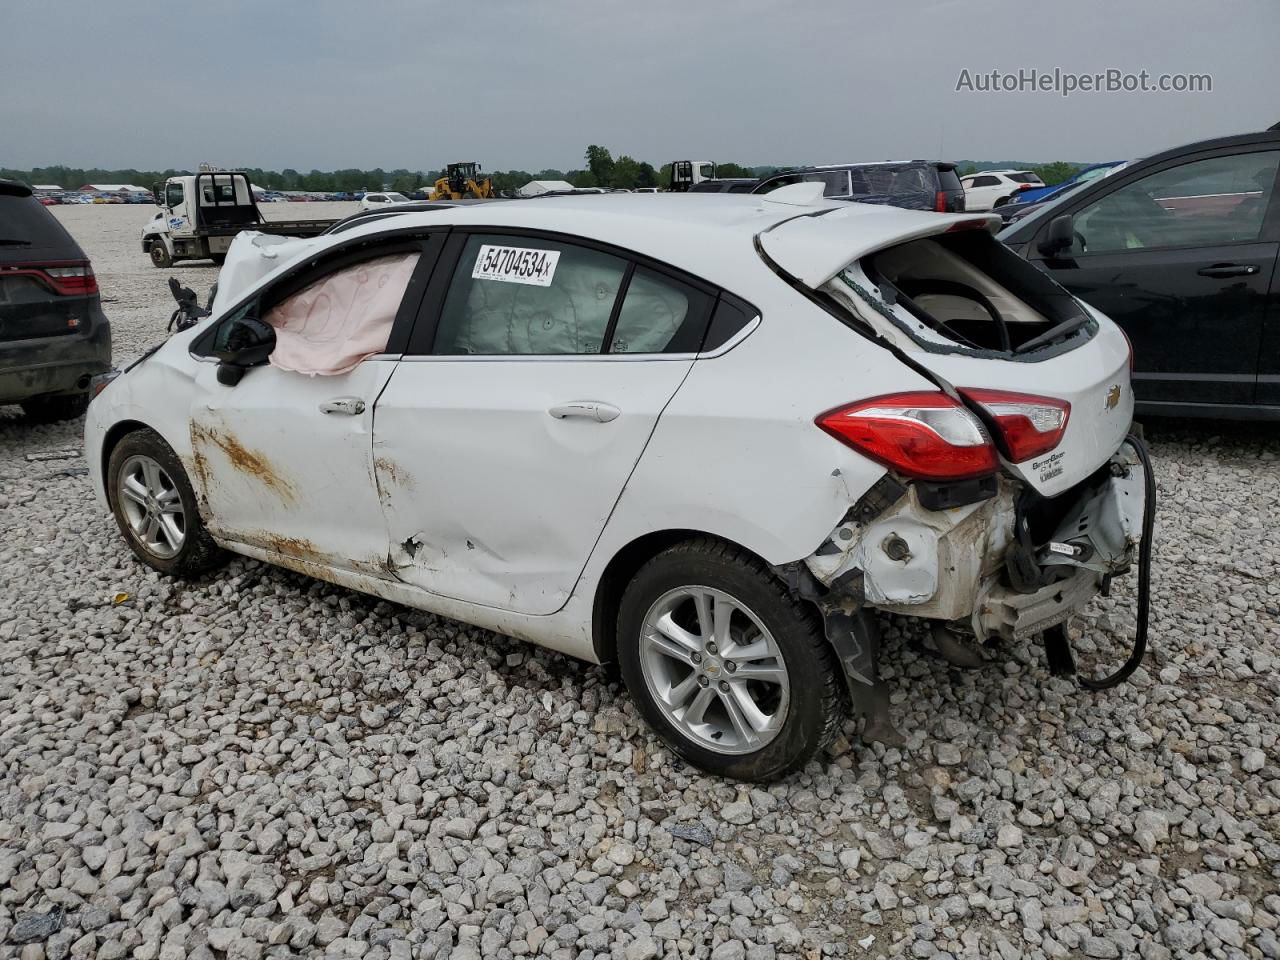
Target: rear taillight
{"points": [[940, 202], [74, 280], [1026, 425], [68, 278], [923, 434]]}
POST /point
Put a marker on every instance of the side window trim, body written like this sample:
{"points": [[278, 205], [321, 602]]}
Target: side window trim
{"points": [[606, 345]]}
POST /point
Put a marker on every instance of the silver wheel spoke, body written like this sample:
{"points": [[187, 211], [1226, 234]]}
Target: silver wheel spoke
{"points": [[134, 490], [151, 476], [153, 529], [759, 671], [703, 603], [680, 693], [745, 716], [169, 528], [698, 708], [724, 608], [170, 501], [683, 642]]}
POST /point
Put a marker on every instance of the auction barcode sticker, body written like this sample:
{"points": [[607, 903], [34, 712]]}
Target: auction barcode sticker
{"points": [[516, 265]]}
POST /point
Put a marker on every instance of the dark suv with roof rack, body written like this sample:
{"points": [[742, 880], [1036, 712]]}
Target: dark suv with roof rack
{"points": [[913, 184], [54, 336]]}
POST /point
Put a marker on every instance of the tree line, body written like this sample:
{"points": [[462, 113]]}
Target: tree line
{"points": [[601, 169]]}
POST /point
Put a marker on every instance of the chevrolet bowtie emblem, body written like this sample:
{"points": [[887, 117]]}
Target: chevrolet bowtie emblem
{"points": [[1113, 397]]}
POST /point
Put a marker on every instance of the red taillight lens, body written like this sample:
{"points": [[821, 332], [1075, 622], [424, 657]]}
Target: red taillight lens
{"points": [[940, 202], [924, 434], [1026, 425], [69, 278], [73, 281]]}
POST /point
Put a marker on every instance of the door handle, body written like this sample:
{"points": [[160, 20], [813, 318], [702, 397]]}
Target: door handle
{"points": [[1229, 270], [347, 406], [590, 409]]}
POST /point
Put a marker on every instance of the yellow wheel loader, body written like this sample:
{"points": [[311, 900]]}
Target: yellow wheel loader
{"points": [[462, 182]]}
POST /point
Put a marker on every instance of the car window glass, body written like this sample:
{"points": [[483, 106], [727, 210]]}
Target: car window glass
{"points": [[654, 312], [340, 318], [1206, 202], [173, 194], [528, 295], [984, 181]]}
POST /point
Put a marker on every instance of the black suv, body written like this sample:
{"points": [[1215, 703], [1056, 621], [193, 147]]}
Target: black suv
{"points": [[53, 334], [914, 184]]}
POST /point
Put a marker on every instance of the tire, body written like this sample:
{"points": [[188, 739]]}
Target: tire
{"points": [[55, 409], [218, 259], [801, 705], [1001, 202], [142, 457], [160, 255]]}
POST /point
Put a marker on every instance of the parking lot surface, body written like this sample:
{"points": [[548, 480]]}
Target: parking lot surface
{"points": [[260, 764]]}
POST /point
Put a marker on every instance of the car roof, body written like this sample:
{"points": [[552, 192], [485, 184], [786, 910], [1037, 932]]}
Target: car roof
{"points": [[14, 188], [710, 235]]}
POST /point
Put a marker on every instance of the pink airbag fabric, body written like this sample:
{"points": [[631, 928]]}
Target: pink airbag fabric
{"points": [[332, 325]]}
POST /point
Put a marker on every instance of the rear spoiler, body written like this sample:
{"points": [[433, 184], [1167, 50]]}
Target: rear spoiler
{"points": [[814, 247]]}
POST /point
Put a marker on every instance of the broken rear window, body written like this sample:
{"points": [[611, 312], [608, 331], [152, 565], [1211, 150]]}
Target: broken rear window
{"points": [[964, 292]]}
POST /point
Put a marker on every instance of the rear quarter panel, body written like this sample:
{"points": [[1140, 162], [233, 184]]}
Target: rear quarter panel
{"points": [[736, 453]]}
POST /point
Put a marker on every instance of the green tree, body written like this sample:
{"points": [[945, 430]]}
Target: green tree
{"points": [[625, 173], [1056, 172], [600, 163], [727, 171]]}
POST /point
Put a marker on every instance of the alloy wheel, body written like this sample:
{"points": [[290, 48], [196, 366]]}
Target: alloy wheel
{"points": [[152, 506], [714, 670]]}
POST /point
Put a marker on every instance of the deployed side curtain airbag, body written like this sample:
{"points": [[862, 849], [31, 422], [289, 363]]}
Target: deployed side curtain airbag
{"points": [[332, 325]]}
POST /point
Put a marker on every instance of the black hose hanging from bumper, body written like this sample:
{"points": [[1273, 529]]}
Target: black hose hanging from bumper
{"points": [[1144, 578]]}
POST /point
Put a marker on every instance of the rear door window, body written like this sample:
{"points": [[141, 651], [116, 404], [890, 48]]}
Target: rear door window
{"points": [[528, 295]]}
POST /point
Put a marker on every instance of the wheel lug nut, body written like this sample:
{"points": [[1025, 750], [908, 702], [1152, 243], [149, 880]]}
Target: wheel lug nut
{"points": [[697, 658], [724, 687], [731, 666], [711, 648], [703, 681]]}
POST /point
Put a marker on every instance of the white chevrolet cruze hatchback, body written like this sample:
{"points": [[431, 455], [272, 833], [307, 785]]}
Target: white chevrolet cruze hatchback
{"points": [[701, 436]]}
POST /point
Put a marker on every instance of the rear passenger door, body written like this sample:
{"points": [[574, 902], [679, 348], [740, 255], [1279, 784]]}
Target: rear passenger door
{"points": [[535, 376]]}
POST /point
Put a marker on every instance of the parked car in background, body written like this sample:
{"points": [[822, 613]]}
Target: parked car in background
{"points": [[1016, 209], [728, 185], [1092, 172], [913, 184], [797, 449], [54, 336], [988, 189], [371, 201], [1180, 250]]}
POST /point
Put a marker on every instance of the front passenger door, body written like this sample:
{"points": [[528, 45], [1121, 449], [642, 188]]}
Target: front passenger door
{"points": [[537, 377]]}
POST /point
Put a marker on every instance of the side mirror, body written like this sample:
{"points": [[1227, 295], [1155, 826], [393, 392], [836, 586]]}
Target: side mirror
{"points": [[1058, 238], [240, 343], [157, 194]]}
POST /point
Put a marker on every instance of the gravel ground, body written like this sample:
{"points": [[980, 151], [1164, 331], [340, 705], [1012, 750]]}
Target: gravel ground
{"points": [[262, 765]]}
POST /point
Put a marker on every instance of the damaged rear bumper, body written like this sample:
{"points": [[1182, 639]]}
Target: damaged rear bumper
{"points": [[1009, 566]]}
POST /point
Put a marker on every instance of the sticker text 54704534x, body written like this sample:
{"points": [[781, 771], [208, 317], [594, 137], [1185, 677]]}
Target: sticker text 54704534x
{"points": [[516, 265]]}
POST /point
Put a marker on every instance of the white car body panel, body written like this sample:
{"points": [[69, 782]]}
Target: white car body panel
{"points": [[456, 491], [490, 497]]}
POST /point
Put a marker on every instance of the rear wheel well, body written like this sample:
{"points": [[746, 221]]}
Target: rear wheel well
{"points": [[619, 572]]}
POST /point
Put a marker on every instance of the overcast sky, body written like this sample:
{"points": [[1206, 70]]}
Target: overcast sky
{"points": [[527, 84]]}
